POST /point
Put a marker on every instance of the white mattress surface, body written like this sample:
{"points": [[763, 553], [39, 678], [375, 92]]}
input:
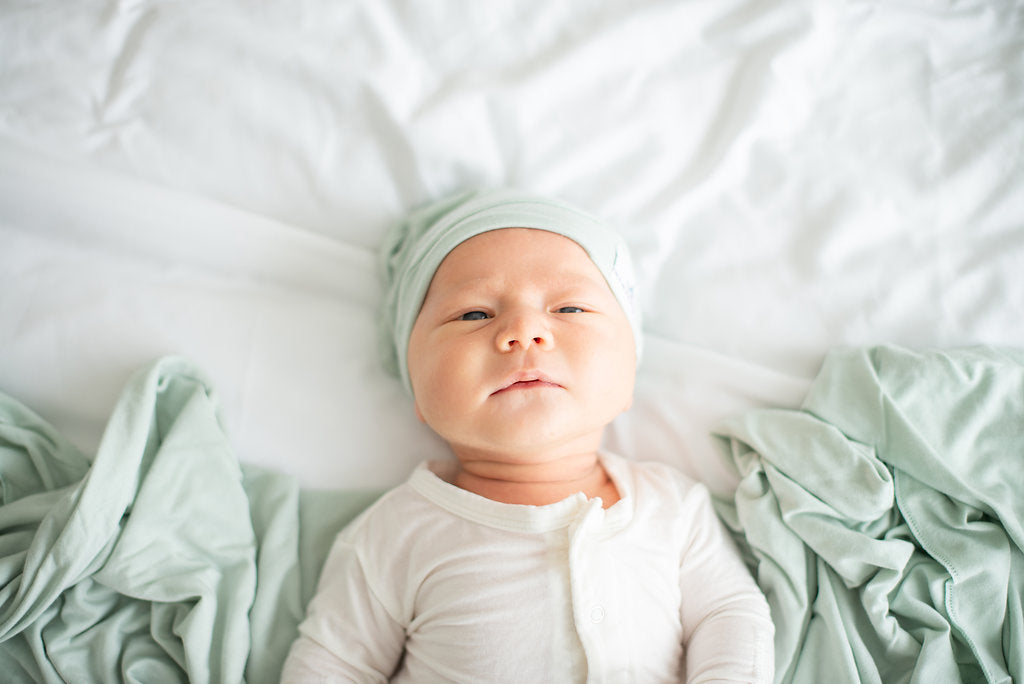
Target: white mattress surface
{"points": [[211, 180]]}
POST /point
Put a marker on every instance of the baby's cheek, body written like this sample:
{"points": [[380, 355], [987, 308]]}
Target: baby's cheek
{"points": [[439, 399]]}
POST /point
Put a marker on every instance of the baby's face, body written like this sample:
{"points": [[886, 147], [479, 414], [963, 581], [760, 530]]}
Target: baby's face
{"points": [[520, 347]]}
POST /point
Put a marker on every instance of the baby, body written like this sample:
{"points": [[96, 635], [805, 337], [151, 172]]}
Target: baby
{"points": [[533, 555]]}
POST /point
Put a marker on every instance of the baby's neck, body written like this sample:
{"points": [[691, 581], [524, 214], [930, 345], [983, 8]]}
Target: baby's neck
{"points": [[537, 484]]}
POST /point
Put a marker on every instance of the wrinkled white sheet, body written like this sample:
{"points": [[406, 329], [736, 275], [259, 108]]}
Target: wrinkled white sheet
{"points": [[211, 179]]}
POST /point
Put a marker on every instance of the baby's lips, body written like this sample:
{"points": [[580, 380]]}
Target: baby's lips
{"points": [[527, 379]]}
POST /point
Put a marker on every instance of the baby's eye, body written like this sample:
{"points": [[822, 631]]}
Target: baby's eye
{"points": [[473, 316], [570, 309]]}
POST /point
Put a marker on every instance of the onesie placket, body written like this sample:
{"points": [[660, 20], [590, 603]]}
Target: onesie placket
{"points": [[594, 612]]}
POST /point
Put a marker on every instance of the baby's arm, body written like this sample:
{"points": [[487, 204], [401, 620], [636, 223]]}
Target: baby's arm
{"points": [[347, 635], [727, 627]]}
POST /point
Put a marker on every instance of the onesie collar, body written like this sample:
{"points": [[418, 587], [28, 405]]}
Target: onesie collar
{"points": [[429, 481]]}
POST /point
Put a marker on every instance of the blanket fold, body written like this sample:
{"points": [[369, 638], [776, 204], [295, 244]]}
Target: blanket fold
{"points": [[159, 560], [883, 518]]}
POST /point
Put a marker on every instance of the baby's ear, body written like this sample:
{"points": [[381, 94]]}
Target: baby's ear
{"points": [[419, 414]]}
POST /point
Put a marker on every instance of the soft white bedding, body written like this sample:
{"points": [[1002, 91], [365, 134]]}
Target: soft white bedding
{"points": [[210, 179]]}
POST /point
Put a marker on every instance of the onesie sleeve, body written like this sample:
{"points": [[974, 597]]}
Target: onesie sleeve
{"points": [[348, 634], [727, 629]]}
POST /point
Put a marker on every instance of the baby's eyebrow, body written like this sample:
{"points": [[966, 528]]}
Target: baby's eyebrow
{"points": [[576, 278], [468, 285]]}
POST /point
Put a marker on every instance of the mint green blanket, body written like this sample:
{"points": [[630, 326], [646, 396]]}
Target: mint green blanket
{"points": [[885, 521], [161, 559], [885, 518]]}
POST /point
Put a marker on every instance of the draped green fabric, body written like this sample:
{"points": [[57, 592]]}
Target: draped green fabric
{"points": [[884, 519], [160, 559]]}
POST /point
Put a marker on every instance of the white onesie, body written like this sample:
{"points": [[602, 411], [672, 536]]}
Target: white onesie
{"points": [[434, 583]]}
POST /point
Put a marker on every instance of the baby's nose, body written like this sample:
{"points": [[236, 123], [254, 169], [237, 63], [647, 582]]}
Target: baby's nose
{"points": [[523, 331]]}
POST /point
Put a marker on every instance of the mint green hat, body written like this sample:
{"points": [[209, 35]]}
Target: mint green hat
{"points": [[414, 249]]}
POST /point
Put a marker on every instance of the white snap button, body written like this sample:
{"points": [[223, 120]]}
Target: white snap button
{"points": [[597, 614]]}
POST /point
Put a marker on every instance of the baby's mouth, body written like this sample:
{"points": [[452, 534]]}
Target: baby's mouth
{"points": [[526, 381]]}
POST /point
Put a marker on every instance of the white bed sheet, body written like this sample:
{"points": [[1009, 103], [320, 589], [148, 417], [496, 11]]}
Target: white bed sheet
{"points": [[210, 179]]}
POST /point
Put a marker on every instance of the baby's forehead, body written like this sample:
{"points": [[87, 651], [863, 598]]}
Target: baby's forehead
{"points": [[515, 257]]}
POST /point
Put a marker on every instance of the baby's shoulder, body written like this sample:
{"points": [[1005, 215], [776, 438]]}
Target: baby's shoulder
{"points": [[397, 512], [658, 477], [663, 492], [398, 532]]}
